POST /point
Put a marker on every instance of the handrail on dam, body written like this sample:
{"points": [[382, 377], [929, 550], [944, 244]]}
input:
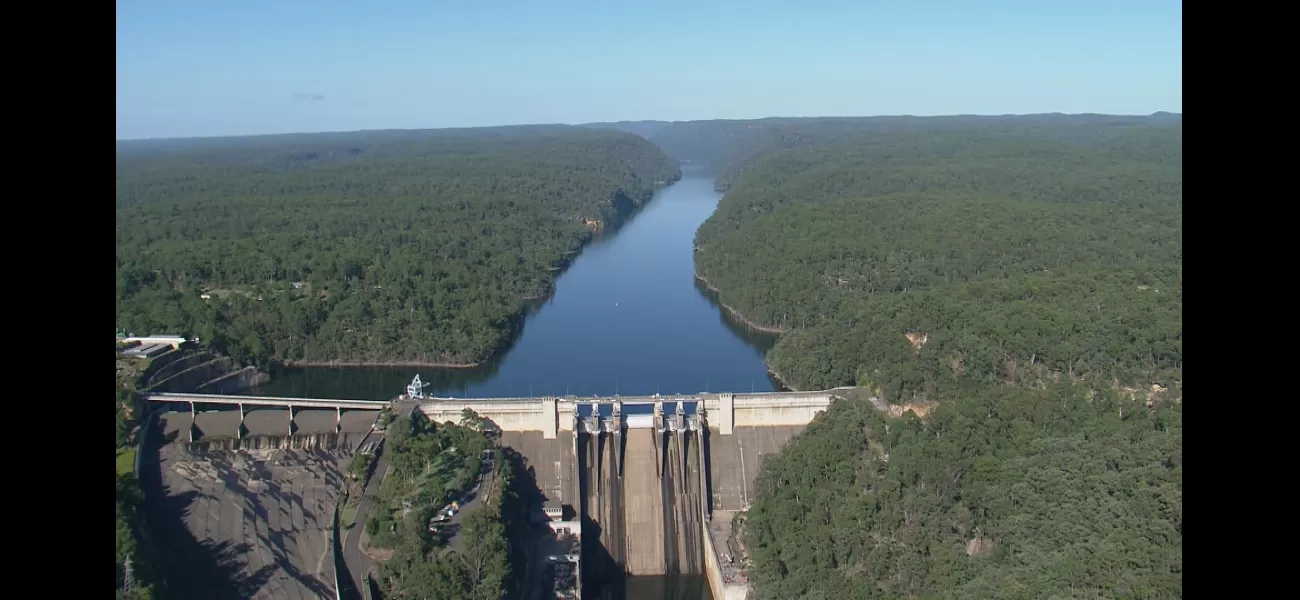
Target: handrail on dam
{"points": [[267, 401]]}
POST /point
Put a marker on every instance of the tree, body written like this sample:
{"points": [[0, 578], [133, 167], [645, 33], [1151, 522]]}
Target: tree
{"points": [[483, 554]]}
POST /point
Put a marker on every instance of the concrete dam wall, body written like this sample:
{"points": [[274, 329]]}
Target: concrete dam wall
{"points": [[249, 517], [640, 505], [550, 415]]}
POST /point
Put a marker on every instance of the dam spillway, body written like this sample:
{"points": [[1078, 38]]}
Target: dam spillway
{"points": [[643, 506], [652, 482], [640, 480], [682, 502]]}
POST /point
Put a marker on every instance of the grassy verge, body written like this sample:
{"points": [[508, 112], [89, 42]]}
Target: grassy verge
{"points": [[350, 509], [126, 461]]}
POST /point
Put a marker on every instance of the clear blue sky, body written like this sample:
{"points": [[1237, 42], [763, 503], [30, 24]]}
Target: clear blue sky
{"points": [[230, 67]]}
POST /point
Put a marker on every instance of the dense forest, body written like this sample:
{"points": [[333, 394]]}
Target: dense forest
{"points": [[430, 465], [391, 246], [1007, 254], [1009, 493], [730, 147], [1018, 283]]}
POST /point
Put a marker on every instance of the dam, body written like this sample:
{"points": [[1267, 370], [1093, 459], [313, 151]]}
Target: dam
{"points": [[649, 484], [639, 482], [653, 480]]}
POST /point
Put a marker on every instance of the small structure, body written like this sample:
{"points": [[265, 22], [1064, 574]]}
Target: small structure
{"points": [[174, 341], [554, 510], [563, 554], [415, 389]]}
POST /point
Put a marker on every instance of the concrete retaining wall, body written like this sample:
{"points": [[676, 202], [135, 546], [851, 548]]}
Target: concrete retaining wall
{"points": [[145, 425], [193, 377], [173, 362], [510, 415], [722, 590], [334, 549], [778, 411]]}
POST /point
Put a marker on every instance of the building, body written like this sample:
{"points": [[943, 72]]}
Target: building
{"points": [[554, 510], [174, 341], [564, 559]]}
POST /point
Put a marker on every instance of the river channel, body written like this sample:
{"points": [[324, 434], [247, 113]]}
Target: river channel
{"points": [[627, 317]]}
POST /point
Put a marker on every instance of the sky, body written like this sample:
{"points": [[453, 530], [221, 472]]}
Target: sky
{"points": [[239, 67]]}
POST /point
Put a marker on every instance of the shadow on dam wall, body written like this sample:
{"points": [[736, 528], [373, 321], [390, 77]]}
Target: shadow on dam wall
{"points": [[641, 515]]}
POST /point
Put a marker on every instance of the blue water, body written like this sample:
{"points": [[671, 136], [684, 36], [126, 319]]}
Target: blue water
{"points": [[627, 318]]}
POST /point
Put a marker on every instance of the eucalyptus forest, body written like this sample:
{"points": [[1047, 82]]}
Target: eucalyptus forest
{"points": [[370, 247], [432, 464], [1015, 291]]}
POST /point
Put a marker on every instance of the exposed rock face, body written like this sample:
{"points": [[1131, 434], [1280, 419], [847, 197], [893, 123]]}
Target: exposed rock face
{"points": [[595, 225]]}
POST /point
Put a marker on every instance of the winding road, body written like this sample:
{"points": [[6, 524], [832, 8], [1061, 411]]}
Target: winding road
{"points": [[357, 562]]}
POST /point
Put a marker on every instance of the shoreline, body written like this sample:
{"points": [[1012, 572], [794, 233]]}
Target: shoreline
{"points": [[567, 260], [767, 363], [299, 364], [771, 370], [737, 314]]}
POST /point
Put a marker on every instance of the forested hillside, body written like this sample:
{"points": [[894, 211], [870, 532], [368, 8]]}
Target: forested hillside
{"points": [[1008, 493], [1025, 280], [729, 148], [432, 464], [1009, 255], [645, 129], [388, 246]]}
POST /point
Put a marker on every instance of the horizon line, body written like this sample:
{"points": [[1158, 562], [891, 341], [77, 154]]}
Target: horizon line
{"points": [[588, 123]]}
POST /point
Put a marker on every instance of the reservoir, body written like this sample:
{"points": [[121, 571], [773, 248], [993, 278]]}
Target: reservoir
{"points": [[627, 317]]}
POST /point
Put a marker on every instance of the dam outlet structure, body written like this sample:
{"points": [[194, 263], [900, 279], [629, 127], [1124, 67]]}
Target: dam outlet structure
{"points": [[639, 476]]}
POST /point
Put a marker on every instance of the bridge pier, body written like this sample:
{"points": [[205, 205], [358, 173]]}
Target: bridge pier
{"points": [[617, 425], [239, 429], [706, 484], [661, 430], [193, 422], [338, 422], [290, 419], [599, 442], [681, 435]]}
